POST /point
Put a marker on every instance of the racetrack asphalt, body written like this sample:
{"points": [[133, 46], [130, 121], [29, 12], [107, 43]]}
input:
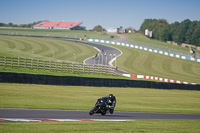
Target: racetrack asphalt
{"points": [[78, 114], [106, 54]]}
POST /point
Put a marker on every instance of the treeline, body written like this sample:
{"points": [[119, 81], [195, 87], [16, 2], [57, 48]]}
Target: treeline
{"points": [[19, 25], [34, 23], [184, 32]]}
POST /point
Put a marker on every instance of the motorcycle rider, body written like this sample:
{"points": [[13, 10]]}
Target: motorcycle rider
{"points": [[111, 100]]}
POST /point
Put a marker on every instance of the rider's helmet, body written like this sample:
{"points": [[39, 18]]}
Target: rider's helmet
{"points": [[110, 96]]}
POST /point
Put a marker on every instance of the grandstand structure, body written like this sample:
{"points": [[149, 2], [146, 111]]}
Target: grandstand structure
{"points": [[56, 25]]}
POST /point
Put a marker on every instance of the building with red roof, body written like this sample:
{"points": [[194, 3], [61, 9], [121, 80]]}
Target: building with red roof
{"points": [[56, 25]]}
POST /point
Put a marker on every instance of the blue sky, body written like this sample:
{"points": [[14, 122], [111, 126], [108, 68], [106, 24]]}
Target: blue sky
{"points": [[108, 13]]}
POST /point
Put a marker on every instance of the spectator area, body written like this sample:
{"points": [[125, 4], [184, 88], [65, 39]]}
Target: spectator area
{"points": [[56, 25]]}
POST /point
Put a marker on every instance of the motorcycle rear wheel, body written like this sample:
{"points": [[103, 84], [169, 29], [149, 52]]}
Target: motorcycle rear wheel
{"points": [[103, 112]]}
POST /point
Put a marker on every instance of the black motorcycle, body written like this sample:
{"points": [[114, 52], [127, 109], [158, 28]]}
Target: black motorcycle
{"points": [[101, 106]]}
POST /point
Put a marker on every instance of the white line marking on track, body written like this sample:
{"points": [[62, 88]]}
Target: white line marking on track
{"points": [[62, 120]]}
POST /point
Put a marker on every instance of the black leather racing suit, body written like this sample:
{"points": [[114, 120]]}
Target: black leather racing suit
{"points": [[111, 103]]}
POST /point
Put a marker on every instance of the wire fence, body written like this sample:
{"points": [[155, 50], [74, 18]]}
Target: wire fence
{"points": [[65, 67]]}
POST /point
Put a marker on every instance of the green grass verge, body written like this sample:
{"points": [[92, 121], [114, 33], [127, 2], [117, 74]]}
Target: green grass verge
{"points": [[40, 48], [133, 60], [58, 33], [146, 126], [140, 38], [146, 63], [53, 73], [84, 98]]}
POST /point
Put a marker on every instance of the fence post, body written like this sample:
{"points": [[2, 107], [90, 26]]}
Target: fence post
{"points": [[4, 61], [78, 68], [12, 62], [56, 66], [93, 68], [32, 64], [61, 66], [67, 67], [72, 67], [18, 62], [38, 63], [25, 63], [44, 67], [50, 66]]}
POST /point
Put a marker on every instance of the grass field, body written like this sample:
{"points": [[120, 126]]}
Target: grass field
{"points": [[58, 33], [45, 49], [141, 39], [133, 60], [146, 63], [139, 126], [58, 73], [84, 98]]}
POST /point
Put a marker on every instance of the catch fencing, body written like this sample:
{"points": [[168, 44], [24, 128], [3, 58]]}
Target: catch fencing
{"points": [[65, 67]]}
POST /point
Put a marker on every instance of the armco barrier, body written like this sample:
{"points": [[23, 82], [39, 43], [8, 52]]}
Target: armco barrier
{"points": [[6, 77], [146, 49]]}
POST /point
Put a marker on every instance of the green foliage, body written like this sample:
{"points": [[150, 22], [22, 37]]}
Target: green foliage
{"points": [[78, 28], [98, 28], [20, 25], [185, 32], [196, 36]]}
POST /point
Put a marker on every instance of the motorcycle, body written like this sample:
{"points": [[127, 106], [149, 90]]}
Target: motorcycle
{"points": [[101, 106]]}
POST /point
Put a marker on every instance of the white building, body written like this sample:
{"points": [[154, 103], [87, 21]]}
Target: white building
{"points": [[148, 33], [111, 30]]}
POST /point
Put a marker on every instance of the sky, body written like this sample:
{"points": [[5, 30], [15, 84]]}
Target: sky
{"points": [[107, 13]]}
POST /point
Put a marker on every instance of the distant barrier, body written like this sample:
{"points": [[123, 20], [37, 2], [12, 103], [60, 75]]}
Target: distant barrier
{"points": [[66, 67], [146, 49], [83, 81], [154, 78]]}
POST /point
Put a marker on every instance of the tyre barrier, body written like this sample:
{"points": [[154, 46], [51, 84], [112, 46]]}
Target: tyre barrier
{"points": [[6, 77]]}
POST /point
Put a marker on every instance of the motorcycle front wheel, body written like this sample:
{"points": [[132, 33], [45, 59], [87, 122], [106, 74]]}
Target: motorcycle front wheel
{"points": [[92, 110]]}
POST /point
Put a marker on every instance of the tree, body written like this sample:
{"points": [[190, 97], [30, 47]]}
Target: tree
{"points": [[173, 31], [192, 27], [182, 31], [10, 24], [158, 27], [98, 28], [164, 34], [78, 28], [195, 40], [2, 24], [185, 32]]}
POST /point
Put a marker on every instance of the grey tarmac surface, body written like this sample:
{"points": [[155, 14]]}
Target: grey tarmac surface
{"points": [[76, 114], [106, 54]]}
